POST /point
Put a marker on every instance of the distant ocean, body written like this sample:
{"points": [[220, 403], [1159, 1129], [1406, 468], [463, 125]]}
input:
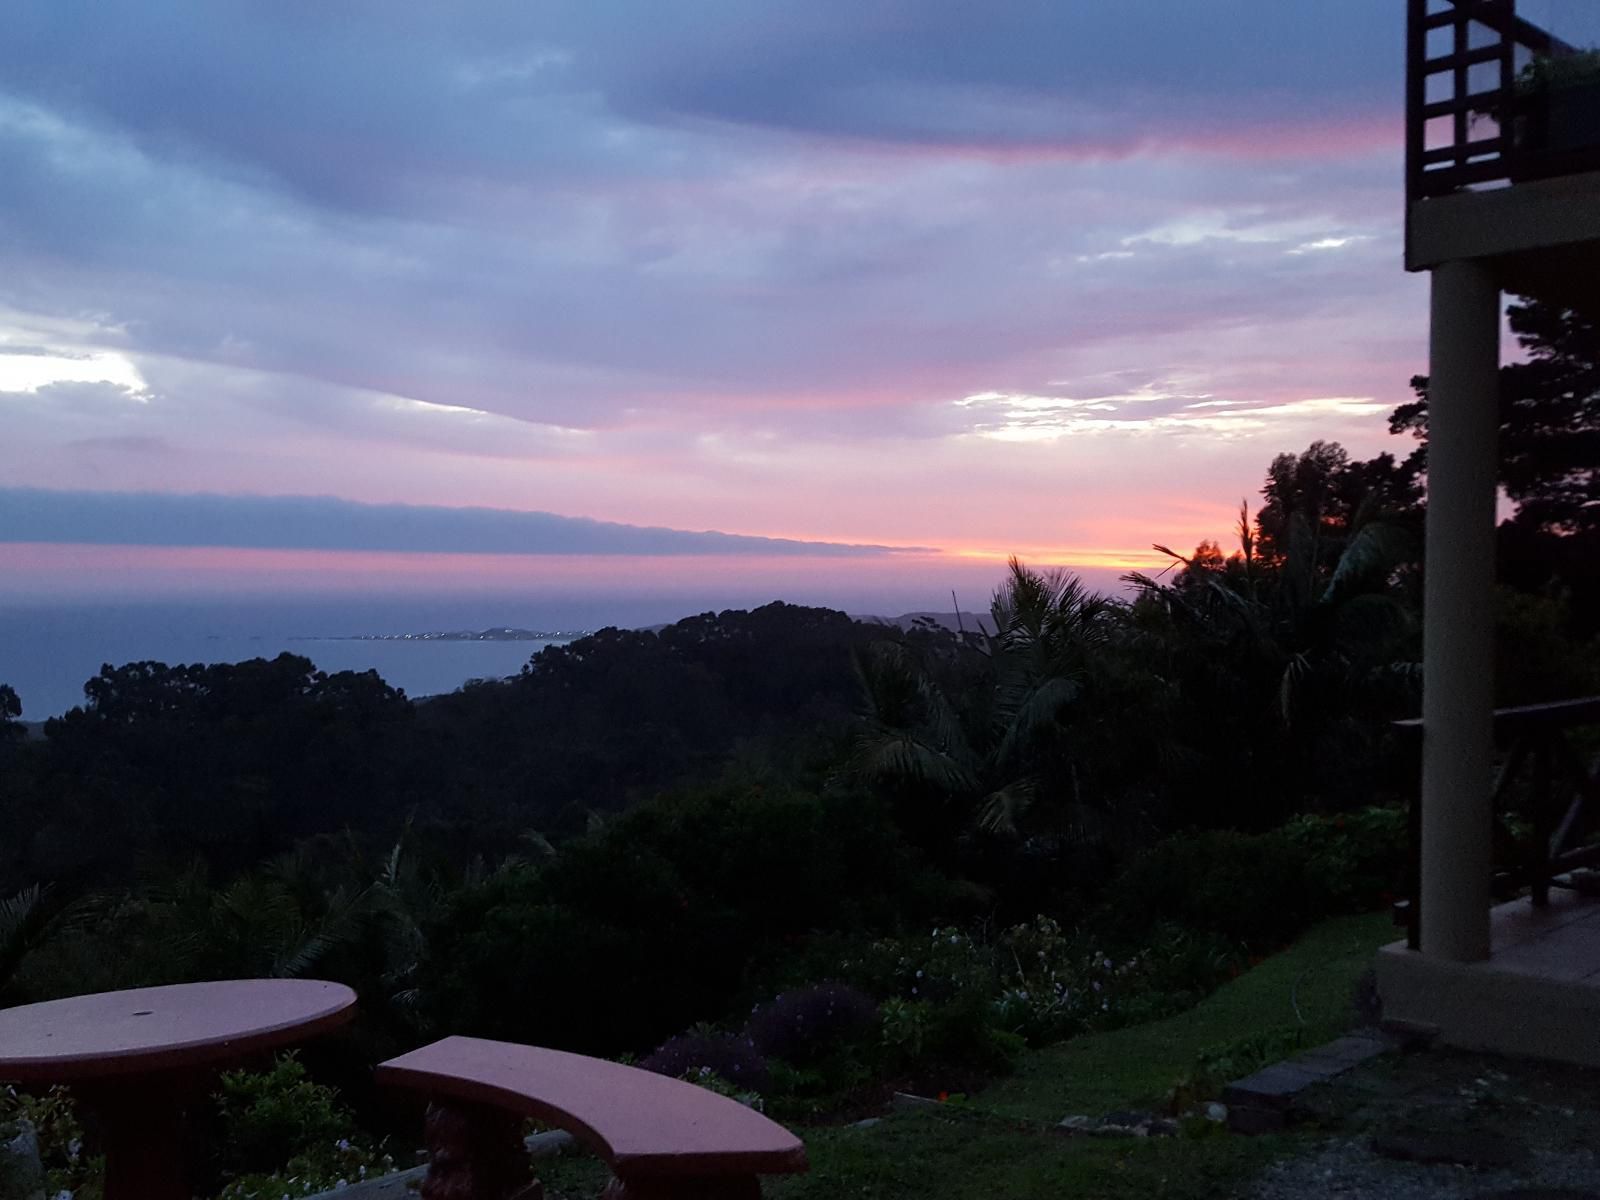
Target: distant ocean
{"points": [[46, 653]]}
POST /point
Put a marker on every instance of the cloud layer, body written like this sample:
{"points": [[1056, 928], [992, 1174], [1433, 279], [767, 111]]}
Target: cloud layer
{"points": [[326, 523], [1041, 276]]}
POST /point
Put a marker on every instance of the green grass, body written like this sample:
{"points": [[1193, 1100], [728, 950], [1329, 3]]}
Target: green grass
{"points": [[1133, 1067], [1004, 1144], [947, 1152]]}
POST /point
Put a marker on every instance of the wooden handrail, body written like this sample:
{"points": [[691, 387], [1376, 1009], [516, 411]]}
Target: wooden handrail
{"points": [[1563, 791]]}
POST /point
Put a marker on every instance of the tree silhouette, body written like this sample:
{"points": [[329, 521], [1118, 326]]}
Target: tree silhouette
{"points": [[1003, 751], [1549, 419], [10, 712]]}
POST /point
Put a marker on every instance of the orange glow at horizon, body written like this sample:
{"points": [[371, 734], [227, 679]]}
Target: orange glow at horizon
{"points": [[38, 569]]}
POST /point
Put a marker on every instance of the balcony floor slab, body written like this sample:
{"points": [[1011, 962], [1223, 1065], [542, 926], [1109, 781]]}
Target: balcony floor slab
{"points": [[1537, 995]]}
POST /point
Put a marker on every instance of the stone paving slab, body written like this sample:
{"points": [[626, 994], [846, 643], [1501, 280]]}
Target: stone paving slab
{"points": [[1260, 1103], [1271, 1087]]}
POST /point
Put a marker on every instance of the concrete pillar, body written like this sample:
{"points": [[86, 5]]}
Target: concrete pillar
{"points": [[1458, 633]]}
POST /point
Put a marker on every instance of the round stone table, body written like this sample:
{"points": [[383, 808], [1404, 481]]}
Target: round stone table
{"points": [[139, 1057]]}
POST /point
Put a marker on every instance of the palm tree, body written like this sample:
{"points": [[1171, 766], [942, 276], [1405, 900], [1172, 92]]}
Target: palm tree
{"points": [[988, 755], [27, 920], [1318, 643]]}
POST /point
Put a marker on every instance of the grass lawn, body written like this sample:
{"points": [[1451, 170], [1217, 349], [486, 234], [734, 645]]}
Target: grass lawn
{"points": [[954, 1153], [1135, 1067], [1003, 1143]]}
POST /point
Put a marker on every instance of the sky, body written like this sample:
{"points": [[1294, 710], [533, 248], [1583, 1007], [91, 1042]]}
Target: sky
{"points": [[924, 282]]}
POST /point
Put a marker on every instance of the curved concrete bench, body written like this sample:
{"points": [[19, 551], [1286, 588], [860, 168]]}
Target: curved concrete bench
{"points": [[663, 1139]]}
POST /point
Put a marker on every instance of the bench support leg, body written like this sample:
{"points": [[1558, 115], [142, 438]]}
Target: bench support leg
{"points": [[716, 1187], [476, 1153]]}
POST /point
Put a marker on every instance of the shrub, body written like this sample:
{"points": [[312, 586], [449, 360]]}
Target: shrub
{"points": [[1054, 985], [54, 1117], [284, 1134], [1252, 889], [801, 1026], [962, 1034], [1356, 861], [730, 1057], [937, 968], [270, 1116], [683, 899]]}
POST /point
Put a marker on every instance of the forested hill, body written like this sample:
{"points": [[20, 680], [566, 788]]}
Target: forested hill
{"points": [[235, 762]]}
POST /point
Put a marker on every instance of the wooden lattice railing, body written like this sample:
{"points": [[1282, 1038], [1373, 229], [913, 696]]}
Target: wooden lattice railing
{"points": [[1446, 95]]}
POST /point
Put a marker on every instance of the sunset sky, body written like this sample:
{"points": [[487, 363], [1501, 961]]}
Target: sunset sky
{"points": [[1045, 277]]}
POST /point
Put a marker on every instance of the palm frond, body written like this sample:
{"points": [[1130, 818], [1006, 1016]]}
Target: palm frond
{"points": [[1026, 712], [309, 944], [1002, 810], [1369, 556], [893, 756], [540, 844], [1297, 669], [26, 919]]}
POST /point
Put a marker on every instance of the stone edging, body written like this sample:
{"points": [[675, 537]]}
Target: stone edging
{"points": [[1262, 1103], [402, 1185]]}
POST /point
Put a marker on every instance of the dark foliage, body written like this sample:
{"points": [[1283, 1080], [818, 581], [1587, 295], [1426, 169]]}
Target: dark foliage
{"points": [[229, 762], [632, 712], [732, 1058], [1257, 891], [802, 1025], [680, 901], [235, 763], [1249, 888], [1549, 419]]}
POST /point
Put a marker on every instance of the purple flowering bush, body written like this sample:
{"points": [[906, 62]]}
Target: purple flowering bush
{"points": [[805, 1024], [733, 1058]]}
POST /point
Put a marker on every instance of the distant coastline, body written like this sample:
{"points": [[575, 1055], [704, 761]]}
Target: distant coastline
{"points": [[499, 634]]}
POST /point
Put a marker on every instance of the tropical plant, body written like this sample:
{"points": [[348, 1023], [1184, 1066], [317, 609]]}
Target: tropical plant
{"points": [[1006, 747], [1298, 658], [26, 922]]}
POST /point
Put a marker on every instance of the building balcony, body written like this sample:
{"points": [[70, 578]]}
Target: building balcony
{"points": [[1502, 149]]}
